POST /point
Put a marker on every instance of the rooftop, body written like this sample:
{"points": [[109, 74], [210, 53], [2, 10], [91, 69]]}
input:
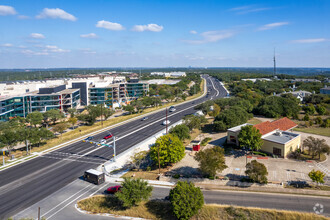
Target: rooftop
{"points": [[238, 128], [281, 137], [280, 124]]}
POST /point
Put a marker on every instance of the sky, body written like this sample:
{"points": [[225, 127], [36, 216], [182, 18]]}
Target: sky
{"points": [[166, 33]]}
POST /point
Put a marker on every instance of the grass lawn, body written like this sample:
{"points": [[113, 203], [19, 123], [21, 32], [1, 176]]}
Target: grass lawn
{"points": [[157, 209], [313, 187], [97, 126], [149, 175], [306, 156], [315, 130], [254, 121]]}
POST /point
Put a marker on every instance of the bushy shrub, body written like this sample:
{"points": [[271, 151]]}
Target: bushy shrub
{"points": [[186, 200]]}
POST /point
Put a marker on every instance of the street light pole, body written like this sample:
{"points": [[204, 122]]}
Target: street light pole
{"points": [[158, 161], [166, 120], [114, 148]]}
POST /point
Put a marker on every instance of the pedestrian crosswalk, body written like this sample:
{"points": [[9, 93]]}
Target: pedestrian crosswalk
{"points": [[74, 157]]}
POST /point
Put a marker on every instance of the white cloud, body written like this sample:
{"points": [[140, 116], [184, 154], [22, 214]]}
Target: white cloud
{"points": [[193, 32], [87, 51], [7, 45], [148, 27], [31, 52], [7, 10], [23, 17], [212, 36], [37, 36], [54, 49], [312, 40], [248, 9], [272, 25], [90, 35], [55, 13], [109, 25]]}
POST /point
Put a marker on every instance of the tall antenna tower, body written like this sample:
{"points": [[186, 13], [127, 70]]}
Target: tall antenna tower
{"points": [[274, 74]]}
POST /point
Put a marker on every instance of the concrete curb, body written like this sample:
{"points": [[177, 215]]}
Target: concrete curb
{"points": [[20, 161]]}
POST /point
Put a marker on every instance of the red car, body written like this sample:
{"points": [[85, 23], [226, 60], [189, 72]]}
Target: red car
{"points": [[114, 189], [108, 136]]}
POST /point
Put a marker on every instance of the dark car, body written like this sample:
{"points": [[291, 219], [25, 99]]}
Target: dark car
{"points": [[88, 138], [113, 189], [108, 136]]}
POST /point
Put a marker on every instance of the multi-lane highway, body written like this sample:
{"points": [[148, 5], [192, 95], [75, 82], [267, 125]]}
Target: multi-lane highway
{"points": [[25, 184]]}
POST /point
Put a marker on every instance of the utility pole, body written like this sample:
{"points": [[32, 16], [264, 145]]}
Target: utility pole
{"points": [[114, 148], [39, 213], [102, 114], [166, 120], [3, 157], [158, 161], [274, 63]]}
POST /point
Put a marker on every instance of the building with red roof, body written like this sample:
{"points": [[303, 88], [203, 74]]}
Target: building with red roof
{"points": [[277, 136]]}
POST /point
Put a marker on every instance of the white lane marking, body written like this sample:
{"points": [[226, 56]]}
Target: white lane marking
{"points": [[138, 130], [215, 88], [75, 160], [65, 200], [68, 204]]}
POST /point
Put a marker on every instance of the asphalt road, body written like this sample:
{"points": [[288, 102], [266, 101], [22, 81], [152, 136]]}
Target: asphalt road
{"points": [[25, 184], [61, 205]]}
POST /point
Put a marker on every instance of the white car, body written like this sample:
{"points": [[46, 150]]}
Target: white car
{"points": [[166, 122], [103, 141], [172, 109]]}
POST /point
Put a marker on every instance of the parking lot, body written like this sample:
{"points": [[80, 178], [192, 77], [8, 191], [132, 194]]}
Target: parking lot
{"points": [[279, 170]]}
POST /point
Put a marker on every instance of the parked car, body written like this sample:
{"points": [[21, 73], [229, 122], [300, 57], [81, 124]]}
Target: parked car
{"points": [[113, 189], [166, 122], [108, 136], [144, 118]]}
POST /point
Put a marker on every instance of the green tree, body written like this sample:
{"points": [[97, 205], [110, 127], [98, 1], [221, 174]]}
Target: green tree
{"points": [[194, 121], [171, 150], [54, 115], [232, 117], [326, 123], [250, 138], [211, 160], [72, 112], [9, 134], [306, 117], [73, 121], [133, 192], [138, 159], [219, 126], [186, 200], [87, 119], [34, 118], [60, 127], [107, 113], [309, 109], [318, 120], [257, 172], [317, 176], [216, 110], [316, 146], [129, 108], [321, 110], [181, 131]]}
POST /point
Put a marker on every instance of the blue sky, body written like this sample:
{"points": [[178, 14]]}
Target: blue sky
{"points": [[143, 33]]}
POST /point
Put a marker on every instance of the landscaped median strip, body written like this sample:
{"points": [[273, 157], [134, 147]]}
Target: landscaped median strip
{"points": [[158, 209], [36, 154]]}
